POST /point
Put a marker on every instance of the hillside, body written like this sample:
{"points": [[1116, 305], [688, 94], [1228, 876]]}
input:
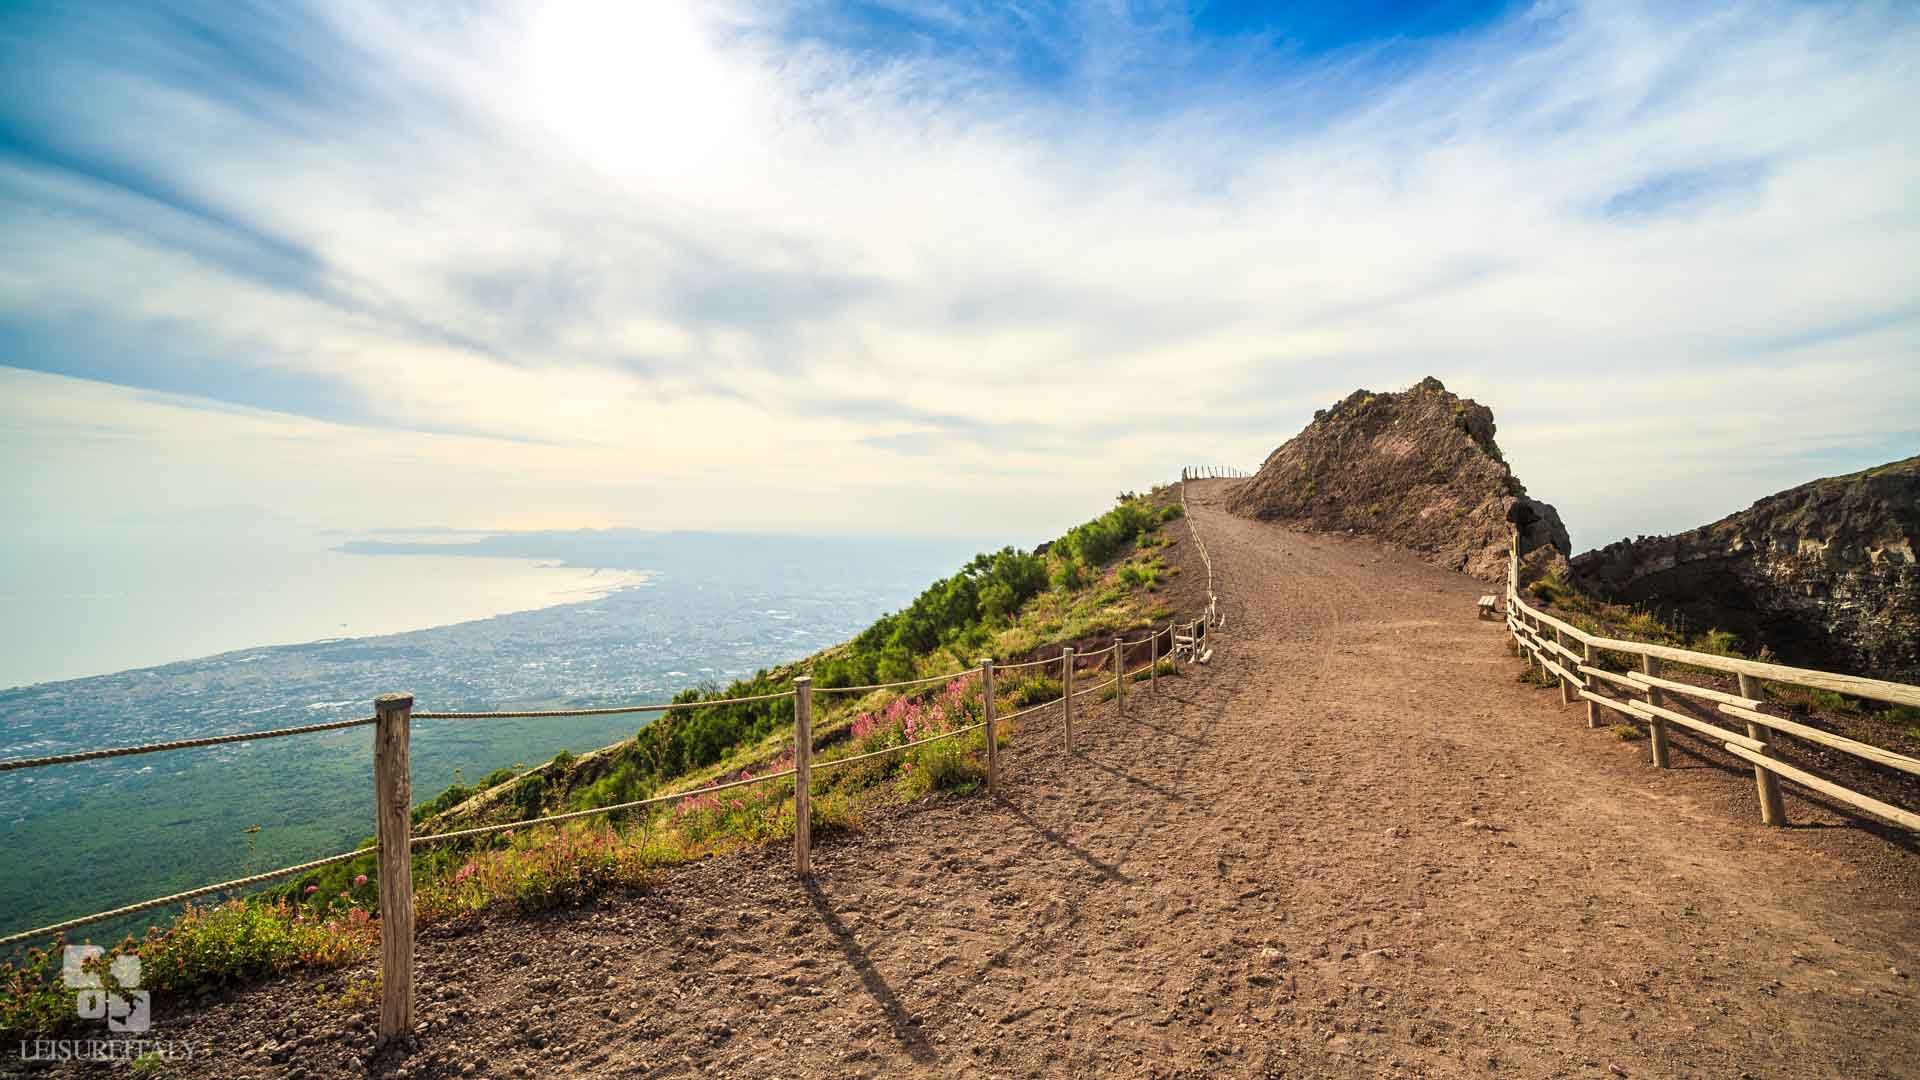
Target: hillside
{"points": [[1821, 575], [1418, 468], [1353, 845], [1118, 573]]}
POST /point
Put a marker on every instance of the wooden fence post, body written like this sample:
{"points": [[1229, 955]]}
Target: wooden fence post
{"points": [[1593, 711], [993, 732], [1066, 693], [1513, 558], [1119, 676], [1656, 727], [1772, 810], [803, 776], [1566, 686], [393, 826], [1153, 662]]}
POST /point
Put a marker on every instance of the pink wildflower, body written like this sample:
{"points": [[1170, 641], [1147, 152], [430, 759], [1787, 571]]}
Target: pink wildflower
{"points": [[360, 880], [311, 889]]}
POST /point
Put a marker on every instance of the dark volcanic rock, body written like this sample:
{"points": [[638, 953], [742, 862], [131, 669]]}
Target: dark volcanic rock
{"points": [[1822, 574], [1418, 468]]}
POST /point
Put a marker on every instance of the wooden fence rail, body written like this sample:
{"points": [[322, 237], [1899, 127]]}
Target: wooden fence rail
{"points": [[1543, 641]]}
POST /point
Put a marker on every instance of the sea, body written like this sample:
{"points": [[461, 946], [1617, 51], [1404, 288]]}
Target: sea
{"points": [[114, 643]]}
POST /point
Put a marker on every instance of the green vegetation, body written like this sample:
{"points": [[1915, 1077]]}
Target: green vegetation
{"points": [[204, 946], [1095, 580]]}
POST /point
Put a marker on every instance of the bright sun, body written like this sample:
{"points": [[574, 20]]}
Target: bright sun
{"points": [[639, 89]]}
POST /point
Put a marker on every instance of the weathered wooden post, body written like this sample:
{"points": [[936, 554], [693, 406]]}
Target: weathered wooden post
{"points": [[1656, 727], [1066, 693], [1566, 685], [393, 826], [1153, 661], [993, 732], [803, 775], [1772, 810], [1119, 676], [1593, 710]]}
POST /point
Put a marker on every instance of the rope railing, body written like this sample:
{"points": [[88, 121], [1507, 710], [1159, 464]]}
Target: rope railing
{"points": [[485, 830], [929, 680], [176, 898], [1026, 664], [1094, 687], [834, 763], [1214, 617], [392, 724], [615, 710], [178, 744]]}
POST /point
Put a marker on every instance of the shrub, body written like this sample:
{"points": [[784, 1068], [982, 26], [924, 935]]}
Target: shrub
{"points": [[33, 1000], [556, 867], [240, 940], [1717, 642], [1033, 690], [1067, 575], [941, 766], [529, 795]]}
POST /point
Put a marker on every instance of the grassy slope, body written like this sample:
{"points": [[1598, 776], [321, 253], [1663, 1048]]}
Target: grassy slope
{"points": [[1112, 575]]}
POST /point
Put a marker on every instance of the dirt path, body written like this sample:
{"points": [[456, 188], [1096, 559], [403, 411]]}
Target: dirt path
{"points": [[1356, 845]]}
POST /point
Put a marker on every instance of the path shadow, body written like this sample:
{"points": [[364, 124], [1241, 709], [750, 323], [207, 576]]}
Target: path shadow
{"points": [[1852, 819], [1172, 733], [1163, 792], [1106, 870], [904, 1028]]}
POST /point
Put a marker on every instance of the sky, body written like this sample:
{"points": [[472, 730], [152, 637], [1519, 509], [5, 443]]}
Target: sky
{"points": [[934, 267]]}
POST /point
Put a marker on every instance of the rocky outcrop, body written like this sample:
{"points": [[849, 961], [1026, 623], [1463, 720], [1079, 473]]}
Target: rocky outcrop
{"points": [[1418, 468], [1822, 574]]}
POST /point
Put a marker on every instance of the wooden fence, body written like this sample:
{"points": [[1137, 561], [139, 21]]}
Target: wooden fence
{"points": [[1569, 657], [392, 723]]}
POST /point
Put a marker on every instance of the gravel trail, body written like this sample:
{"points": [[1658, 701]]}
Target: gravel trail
{"points": [[1354, 845]]}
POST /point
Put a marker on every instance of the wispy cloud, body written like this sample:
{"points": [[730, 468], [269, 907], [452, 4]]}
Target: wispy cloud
{"points": [[959, 258]]}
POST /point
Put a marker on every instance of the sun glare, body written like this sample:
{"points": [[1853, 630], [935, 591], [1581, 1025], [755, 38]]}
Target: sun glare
{"points": [[640, 90]]}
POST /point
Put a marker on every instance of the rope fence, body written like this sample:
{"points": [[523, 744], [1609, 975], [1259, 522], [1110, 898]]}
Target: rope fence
{"points": [[1214, 617], [392, 724], [178, 744], [179, 897], [484, 830], [928, 681]]}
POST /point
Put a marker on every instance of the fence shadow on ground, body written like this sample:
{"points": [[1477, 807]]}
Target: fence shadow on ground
{"points": [[904, 1028], [1106, 870]]}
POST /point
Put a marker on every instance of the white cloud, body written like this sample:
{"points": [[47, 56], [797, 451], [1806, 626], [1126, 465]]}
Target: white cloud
{"points": [[1671, 251]]}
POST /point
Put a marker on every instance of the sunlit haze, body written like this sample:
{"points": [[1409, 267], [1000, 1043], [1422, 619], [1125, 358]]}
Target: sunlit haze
{"points": [[932, 268]]}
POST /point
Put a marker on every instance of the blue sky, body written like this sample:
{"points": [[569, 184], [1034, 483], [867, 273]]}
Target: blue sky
{"points": [[792, 264]]}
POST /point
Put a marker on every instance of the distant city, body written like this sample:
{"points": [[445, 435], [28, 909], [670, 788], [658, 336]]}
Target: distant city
{"points": [[716, 606]]}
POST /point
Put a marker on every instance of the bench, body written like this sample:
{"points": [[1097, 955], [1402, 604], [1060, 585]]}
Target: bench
{"points": [[1489, 606]]}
